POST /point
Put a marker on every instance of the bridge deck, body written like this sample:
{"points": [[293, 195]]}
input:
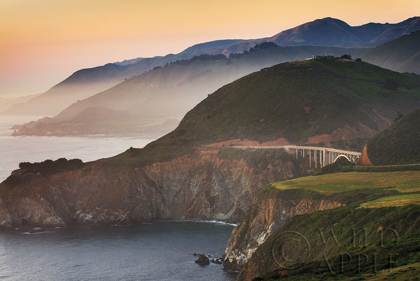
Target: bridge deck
{"points": [[302, 147]]}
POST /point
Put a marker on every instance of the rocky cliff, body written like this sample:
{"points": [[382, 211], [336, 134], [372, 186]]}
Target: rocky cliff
{"points": [[208, 184], [270, 210]]}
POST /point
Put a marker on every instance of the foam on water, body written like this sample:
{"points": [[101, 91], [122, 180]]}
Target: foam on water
{"points": [[202, 221]]}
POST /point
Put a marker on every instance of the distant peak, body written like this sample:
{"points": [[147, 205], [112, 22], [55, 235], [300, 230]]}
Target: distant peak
{"points": [[331, 19]]}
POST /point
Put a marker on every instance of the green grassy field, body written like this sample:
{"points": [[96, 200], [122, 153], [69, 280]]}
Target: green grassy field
{"points": [[405, 181], [393, 201]]}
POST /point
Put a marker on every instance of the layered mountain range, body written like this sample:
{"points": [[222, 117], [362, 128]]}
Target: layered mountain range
{"points": [[151, 103], [87, 82], [323, 32]]}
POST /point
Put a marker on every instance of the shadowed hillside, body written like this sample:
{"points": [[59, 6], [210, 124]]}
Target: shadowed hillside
{"points": [[314, 101], [401, 55], [398, 144]]}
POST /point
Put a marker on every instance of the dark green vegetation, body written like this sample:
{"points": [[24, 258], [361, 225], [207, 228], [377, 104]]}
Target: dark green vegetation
{"points": [[300, 100], [377, 205], [398, 144], [367, 169], [341, 260], [50, 165], [402, 54], [342, 165], [401, 273], [46, 167], [339, 165]]}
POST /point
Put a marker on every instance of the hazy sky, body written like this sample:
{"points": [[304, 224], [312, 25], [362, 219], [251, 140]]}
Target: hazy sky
{"points": [[44, 41]]}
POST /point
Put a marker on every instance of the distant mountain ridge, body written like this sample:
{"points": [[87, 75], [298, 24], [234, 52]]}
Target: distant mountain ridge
{"points": [[392, 34], [87, 82], [321, 32], [170, 91], [336, 33], [6, 103]]}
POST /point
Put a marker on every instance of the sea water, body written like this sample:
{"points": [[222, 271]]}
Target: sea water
{"points": [[158, 251], [14, 150]]}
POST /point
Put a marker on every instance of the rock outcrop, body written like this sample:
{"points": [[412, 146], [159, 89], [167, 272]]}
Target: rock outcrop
{"points": [[364, 158], [270, 210], [202, 260], [202, 185]]}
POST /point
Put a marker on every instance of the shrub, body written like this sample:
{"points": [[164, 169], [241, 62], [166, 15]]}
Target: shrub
{"points": [[346, 56]]}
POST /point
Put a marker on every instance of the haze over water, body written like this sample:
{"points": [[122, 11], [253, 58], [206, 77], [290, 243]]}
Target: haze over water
{"points": [[14, 150]]}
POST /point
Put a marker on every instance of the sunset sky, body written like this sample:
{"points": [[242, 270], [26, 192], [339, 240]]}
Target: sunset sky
{"points": [[43, 41]]}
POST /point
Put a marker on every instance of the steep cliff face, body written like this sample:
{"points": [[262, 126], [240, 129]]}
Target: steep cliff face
{"points": [[204, 185], [270, 210]]}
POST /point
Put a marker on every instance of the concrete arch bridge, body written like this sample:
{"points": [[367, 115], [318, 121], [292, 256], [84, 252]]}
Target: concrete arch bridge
{"points": [[317, 156]]}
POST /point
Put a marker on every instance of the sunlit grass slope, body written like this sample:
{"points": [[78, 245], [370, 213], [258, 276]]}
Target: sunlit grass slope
{"points": [[342, 182], [393, 201]]}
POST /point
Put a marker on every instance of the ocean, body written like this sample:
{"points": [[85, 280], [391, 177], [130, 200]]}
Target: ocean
{"points": [[161, 251], [14, 150], [157, 251]]}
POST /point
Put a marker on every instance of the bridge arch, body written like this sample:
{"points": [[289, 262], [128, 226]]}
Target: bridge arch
{"points": [[343, 155]]}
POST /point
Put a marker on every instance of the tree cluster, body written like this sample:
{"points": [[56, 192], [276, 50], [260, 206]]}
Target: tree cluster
{"points": [[49, 166]]}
